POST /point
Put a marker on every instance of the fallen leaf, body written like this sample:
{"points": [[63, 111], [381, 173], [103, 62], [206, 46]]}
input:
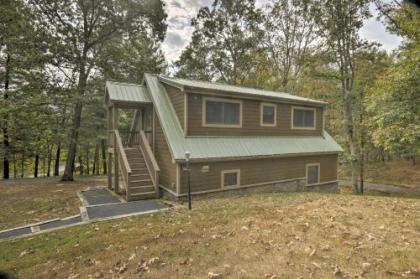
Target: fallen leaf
{"points": [[312, 253], [132, 257], [213, 275]]}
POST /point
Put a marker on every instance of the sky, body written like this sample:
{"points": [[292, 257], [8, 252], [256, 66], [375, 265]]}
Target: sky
{"points": [[180, 13]]}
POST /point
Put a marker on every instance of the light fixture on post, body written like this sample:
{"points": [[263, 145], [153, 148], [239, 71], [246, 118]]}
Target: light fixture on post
{"points": [[188, 171]]}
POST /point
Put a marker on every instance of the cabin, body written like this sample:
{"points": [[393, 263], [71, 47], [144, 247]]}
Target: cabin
{"points": [[238, 139]]}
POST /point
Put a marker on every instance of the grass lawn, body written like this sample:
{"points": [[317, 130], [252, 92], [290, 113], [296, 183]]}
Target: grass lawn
{"points": [[401, 172], [296, 235], [25, 201]]}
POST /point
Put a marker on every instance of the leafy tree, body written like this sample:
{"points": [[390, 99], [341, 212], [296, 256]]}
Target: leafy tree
{"points": [[394, 100], [290, 32], [81, 29], [224, 41], [339, 23], [127, 58], [22, 75]]}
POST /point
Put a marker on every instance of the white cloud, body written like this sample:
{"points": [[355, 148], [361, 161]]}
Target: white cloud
{"points": [[180, 13], [375, 31]]}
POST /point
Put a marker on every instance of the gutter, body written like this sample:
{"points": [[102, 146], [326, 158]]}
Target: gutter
{"points": [[255, 157]]}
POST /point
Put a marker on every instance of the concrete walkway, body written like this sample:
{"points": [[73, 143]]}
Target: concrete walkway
{"points": [[392, 189], [98, 204]]}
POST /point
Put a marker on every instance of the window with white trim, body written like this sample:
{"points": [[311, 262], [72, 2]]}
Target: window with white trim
{"points": [[221, 112], [303, 118], [312, 174], [268, 114], [231, 178]]}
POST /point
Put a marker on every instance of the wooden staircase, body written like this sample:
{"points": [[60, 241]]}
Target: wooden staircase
{"points": [[140, 185], [135, 162]]}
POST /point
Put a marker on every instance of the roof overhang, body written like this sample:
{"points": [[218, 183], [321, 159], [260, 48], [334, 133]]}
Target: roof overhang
{"points": [[126, 95], [209, 88]]}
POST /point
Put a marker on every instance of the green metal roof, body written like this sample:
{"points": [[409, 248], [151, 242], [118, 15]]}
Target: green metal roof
{"points": [[208, 148], [127, 92], [252, 92]]}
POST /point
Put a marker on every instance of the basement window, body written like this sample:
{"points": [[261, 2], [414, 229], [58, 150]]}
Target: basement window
{"points": [[231, 178], [268, 114], [303, 118], [312, 173], [222, 113]]}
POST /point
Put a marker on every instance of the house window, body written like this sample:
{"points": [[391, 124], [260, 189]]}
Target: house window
{"points": [[268, 114], [231, 178], [222, 113], [312, 174], [303, 118]]}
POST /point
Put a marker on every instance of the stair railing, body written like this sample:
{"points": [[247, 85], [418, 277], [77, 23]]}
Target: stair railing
{"points": [[150, 160], [125, 169]]}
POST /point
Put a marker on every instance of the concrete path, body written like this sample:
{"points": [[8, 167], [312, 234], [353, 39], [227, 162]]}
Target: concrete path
{"points": [[393, 189], [98, 196], [98, 204]]}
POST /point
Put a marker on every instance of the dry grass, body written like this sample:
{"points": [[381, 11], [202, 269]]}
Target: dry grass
{"points": [[25, 201], [401, 172], [299, 235]]}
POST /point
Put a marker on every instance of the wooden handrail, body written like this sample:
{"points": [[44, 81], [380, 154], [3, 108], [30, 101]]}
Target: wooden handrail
{"points": [[150, 160], [148, 151], [120, 147]]}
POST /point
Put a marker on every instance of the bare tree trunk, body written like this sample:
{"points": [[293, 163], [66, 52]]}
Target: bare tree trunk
{"points": [[6, 143], [87, 160], [57, 160], [43, 165], [36, 165], [362, 146], [349, 130], [49, 159], [81, 167], [74, 136], [95, 170], [103, 147], [77, 120], [22, 165], [14, 165]]}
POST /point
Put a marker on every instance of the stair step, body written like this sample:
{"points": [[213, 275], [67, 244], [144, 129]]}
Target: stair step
{"points": [[132, 153], [139, 170], [142, 189], [132, 149], [140, 175], [135, 159], [141, 182], [139, 164], [145, 195]]}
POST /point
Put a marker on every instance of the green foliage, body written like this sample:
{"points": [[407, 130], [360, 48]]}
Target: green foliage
{"points": [[290, 35], [56, 56], [394, 100], [224, 43]]}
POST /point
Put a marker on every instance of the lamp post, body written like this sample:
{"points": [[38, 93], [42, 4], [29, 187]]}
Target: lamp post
{"points": [[187, 169]]}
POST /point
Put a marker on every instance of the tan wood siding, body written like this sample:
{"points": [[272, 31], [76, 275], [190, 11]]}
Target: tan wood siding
{"points": [[254, 171], [163, 156], [178, 102], [250, 122]]}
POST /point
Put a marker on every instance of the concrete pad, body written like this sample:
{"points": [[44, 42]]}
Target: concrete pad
{"points": [[98, 196], [129, 208], [60, 223], [15, 232]]}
